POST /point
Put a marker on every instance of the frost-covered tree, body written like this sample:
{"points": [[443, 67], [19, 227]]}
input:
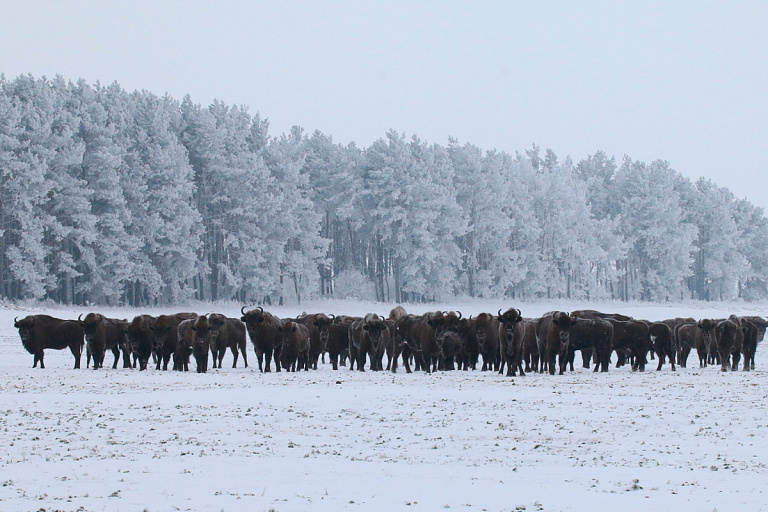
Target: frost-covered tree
{"points": [[297, 222], [160, 193], [651, 223], [752, 227]]}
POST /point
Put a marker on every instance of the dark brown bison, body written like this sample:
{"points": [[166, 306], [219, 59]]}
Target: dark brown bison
{"points": [[265, 331], [445, 344], [701, 336], [511, 332], [663, 344], [553, 335], [141, 338], [166, 331], [418, 332], [318, 325], [39, 332], [396, 346], [752, 336], [468, 334], [368, 337], [194, 339], [674, 324], [294, 353], [595, 338], [338, 339], [409, 331], [631, 337], [102, 334], [530, 345], [487, 333], [227, 333], [730, 342]]}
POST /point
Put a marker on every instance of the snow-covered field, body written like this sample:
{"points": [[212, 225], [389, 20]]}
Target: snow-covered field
{"points": [[235, 439]]}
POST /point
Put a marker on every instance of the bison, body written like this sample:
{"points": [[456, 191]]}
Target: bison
{"points": [[318, 325], [102, 334], [295, 346], [368, 337], [141, 338], [166, 331], [409, 330], [594, 337], [752, 336], [338, 339], [39, 332], [530, 345], [265, 331], [468, 335], [511, 333], [663, 344], [730, 342], [227, 333], [194, 336], [700, 335], [553, 336], [487, 333]]}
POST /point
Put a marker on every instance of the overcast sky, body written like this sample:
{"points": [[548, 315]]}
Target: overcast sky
{"points": [[685, 82]]}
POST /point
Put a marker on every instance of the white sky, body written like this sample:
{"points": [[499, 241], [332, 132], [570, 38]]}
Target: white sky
{"points": [[680, 81]]}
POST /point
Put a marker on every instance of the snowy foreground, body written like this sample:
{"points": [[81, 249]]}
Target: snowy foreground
{"points": [[235, 439]]}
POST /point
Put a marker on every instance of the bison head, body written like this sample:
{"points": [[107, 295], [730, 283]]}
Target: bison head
{"points": [[25, 328], [202, 330], [443, 322], [509, 319], [375, 326], [707, 326], [91, 325], [323, 324], [563, 321]]}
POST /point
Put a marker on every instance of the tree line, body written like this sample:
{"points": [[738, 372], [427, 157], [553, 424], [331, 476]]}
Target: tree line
{"points": [[112, 197]]}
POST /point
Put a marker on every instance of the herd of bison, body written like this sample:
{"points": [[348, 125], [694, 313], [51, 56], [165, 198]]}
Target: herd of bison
{"points": [[430, 342]]}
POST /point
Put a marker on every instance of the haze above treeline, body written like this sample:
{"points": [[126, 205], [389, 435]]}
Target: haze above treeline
{"points": [[111, 197]]}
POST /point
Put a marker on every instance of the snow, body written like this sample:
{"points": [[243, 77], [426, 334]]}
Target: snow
{"points": [[236, 439]]}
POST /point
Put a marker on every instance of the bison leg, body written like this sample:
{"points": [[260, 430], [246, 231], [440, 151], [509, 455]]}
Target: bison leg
{"points": [[334, 360], [267, 361], [127, 359], [736, 359], [76, 350], [360, 361], [116, 353], [260, 359], [245, 356], [235, 355]]}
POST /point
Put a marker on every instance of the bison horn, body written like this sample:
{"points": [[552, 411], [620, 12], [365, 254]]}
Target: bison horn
{"points": [[242, 310], [499, 311], [518, 312], [262, 309], [332, 316], [459, 312], [80, 318], [16, 320]]}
